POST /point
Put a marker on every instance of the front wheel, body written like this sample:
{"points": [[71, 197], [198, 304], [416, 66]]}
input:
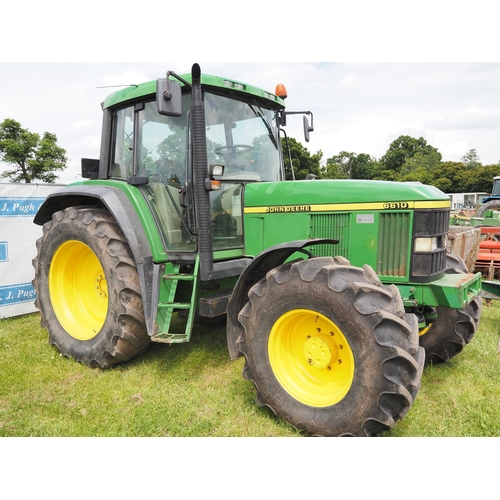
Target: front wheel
{"points": [[330, 349], [88, 289]]}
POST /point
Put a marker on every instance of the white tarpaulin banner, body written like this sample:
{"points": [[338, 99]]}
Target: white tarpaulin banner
{"points": [[19, 204]]}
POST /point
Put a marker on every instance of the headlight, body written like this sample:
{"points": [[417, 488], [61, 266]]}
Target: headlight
{"points": [[426, 244]]}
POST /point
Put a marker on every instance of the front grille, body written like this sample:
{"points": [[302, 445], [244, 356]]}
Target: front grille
{"points": [[393, 237]]}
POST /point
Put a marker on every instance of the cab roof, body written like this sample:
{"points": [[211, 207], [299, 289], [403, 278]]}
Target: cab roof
{"points": [[226, 85]]}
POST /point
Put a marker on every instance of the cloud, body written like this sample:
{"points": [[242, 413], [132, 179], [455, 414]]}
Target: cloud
{"points": [[469, 118], [125, 79]]}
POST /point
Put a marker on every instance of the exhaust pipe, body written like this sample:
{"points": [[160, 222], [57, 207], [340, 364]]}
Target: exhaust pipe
{"points": [[200, 173]]}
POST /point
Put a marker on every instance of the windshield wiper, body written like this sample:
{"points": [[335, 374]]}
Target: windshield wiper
{"points": [[263, 117]]}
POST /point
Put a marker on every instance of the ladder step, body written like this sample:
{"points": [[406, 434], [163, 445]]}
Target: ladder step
{"points": [[170, 338], [179, 276], [175, 305]]}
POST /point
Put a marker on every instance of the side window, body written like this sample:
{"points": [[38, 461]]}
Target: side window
{"points": [[122, 149], [163, 146]]}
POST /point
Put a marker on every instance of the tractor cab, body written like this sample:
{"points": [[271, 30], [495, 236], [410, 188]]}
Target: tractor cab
{"points": [[496, 186], [153, 147]]}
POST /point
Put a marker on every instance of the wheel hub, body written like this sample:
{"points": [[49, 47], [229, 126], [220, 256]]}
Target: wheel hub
{"points": [[102, 287], [318, 352]]}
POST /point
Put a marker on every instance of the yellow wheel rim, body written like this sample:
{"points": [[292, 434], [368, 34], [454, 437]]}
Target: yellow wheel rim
{"points": [[78, 290], [311, 358]]}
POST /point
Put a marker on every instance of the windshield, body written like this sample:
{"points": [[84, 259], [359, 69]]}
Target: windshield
{"points": [[496, 186], [244, 138]]}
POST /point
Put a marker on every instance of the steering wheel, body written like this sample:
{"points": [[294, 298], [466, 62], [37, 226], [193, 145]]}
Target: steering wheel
{"points": [[236, 149]]}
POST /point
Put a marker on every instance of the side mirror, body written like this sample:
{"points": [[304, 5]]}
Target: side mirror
{"points": [[168, 97], [307, 128]]}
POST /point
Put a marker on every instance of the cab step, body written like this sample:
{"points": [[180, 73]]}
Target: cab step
{"points": [[168, 304]]}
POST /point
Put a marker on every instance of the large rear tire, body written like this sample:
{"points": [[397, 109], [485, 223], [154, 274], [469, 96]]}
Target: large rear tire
{"points": [[330, 349], [88, 289], [453, 328]]}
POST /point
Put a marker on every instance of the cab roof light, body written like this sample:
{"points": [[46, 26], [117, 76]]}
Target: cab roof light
{"points": [[281, 91], [234, 85]]}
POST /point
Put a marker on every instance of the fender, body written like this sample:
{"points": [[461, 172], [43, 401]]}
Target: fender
{"points": [[254, 272], [118, 204]]}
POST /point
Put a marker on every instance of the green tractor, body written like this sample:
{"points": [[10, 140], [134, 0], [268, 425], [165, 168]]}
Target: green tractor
{"points": [[335, 292]]}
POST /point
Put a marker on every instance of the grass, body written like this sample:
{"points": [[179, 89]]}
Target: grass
{"points": [[195, 390]]}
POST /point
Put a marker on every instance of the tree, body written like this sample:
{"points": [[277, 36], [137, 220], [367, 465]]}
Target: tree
{"points": [[481, 179], [349, 166], [420, 167], [449, 177], [31, 157], [304, 163], [403, 148], [471, 159]]}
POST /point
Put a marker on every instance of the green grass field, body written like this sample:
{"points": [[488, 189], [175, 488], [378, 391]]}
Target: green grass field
{"points": [[195, 390]]}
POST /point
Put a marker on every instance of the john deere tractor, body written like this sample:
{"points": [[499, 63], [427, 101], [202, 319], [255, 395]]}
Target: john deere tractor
{"points": [[334, 291]]}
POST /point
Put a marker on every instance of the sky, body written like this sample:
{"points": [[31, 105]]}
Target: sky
{"points": [[357, 107]]}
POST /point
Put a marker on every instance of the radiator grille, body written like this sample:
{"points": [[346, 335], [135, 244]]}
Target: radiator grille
{"points": [[393, 236]]}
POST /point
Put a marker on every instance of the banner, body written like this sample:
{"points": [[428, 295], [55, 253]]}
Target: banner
{"points": [[19, 204]]}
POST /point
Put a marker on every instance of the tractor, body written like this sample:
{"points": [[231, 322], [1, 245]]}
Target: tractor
{"points": [[491, 202], [335, 292]]}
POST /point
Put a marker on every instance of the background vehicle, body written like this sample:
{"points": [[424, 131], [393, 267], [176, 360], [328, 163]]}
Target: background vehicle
{"points": [[491, 202], [326, 284]]}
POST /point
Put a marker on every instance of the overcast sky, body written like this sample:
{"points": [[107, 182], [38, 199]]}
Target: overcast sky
{"points": [[359, 107]]}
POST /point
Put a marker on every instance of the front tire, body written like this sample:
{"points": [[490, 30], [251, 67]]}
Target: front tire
{"points": [[88, 289], [330, 349]]}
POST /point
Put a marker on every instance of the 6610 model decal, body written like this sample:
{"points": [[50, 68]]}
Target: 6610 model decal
{"points": [[395, 205]]}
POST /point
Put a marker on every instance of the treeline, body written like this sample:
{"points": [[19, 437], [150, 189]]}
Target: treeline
{"points": [[407, 159]]}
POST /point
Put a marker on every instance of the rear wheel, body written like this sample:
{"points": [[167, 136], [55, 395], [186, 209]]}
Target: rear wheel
{"points": [[453, 328], [88, 288], [330, 349]]}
